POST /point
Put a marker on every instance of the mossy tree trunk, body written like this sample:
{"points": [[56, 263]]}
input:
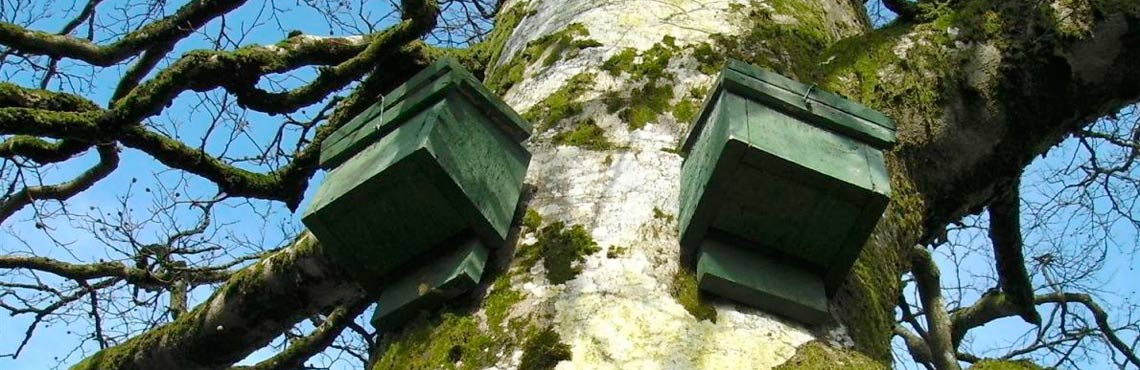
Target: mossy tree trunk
{"points": [[977, 89], [591, 278]]}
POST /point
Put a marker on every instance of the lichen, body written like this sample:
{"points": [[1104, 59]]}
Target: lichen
{"points": [[818, 356], [684, 289], [543, 351]]}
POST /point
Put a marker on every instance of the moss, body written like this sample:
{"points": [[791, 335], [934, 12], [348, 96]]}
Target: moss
{"points": [[586, 135], [686, 110], [455, 339], [684, 290], [562, 44], [498, 304], [546, 50], [709, 60], [615, 251], [1005, 365], [532, 220], [449, 340], [865, 303], [501, 78], [652, 100], [543, 351], [818, 356], [12, 95], [654, 95], [799, 44], [661, 215], [561, 104], [560, 249], [622, 61]]}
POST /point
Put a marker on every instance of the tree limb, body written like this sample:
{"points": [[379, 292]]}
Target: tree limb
{"points": [[256, 305], [302, 349], [136, 276], [915, 344], [108, 161], [928, 281], [995, 306], [186, 20], [1005, 235]]}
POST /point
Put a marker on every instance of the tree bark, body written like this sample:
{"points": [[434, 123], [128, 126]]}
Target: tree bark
{"points": [[253, 307]]}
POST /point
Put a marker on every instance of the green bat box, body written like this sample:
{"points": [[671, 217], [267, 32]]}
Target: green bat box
{"points": [[419, 186], [781, 186]]}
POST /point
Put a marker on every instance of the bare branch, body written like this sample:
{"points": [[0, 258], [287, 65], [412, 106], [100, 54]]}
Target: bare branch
{"points": [[302, 349], [182, 23], [995, 306], [256, 305], [108, 161]]}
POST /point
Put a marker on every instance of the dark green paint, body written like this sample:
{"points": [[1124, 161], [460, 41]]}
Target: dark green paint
{"points": [[763, 282], [452, 274], [786, 170], [406, 195], [440, 80]]}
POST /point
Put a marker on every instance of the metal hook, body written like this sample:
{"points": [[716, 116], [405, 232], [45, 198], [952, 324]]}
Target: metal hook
{"points": [[380, 122], [807, 103]]}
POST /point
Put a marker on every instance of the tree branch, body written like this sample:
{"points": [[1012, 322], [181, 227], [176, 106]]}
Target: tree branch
{"points": [[254, 306], [302, 349], [186, 20], [927, 279], [1005, 235], [108, 161], [915, 344], [135, 276], [995, 306]]}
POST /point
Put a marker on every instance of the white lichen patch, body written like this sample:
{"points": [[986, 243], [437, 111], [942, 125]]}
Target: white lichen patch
{"points": [[618, 315], [1073, 16], [634, 23]]}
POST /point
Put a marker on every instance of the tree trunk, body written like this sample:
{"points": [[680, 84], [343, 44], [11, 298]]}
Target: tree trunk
{"points": [[612, 87], [977, 89]]}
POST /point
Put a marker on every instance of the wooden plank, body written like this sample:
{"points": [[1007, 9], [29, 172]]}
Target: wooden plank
{"points": [[427, 288], [758, 281], [816, 96]]}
